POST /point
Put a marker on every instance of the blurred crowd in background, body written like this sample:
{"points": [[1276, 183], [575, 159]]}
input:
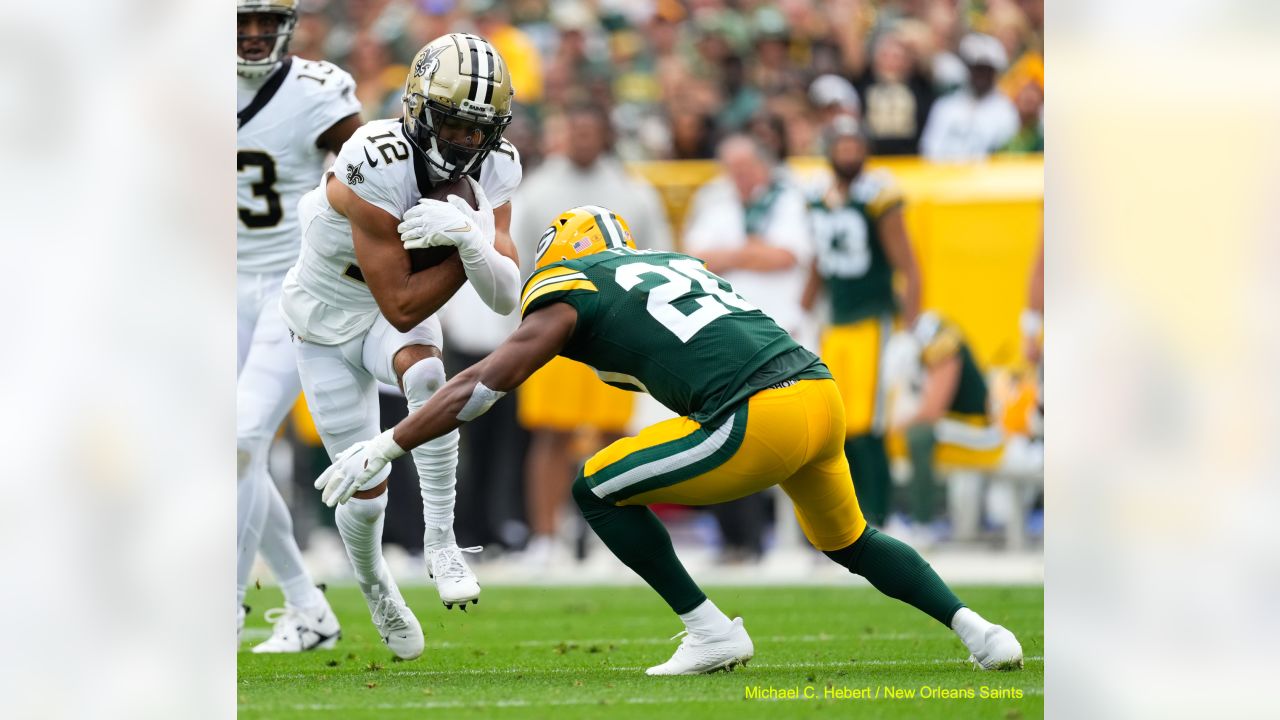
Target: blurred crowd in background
{"points": [[675, 76], [606, 82]]}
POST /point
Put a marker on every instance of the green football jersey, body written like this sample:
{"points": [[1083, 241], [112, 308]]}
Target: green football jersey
{"points": [[851, 258], [661, 323], [939, 340]]}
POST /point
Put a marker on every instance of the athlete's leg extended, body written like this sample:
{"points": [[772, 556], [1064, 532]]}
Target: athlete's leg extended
{"points": [[828, 511], [343, 400], [680, 461], [267, 388], [251, 503], [412, 360]]}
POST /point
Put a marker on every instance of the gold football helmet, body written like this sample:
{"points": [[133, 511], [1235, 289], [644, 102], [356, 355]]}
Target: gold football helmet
{"points": [[457, 103], [582, 231], [286, 12]]}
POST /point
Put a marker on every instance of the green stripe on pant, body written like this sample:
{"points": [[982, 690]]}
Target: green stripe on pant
{"points": [[671, 462]]}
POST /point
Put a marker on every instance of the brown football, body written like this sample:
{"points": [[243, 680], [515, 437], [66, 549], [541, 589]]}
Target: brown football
{"points": [[420, 260]]}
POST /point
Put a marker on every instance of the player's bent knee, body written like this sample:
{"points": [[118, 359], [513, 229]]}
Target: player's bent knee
{"points": [[423, 379]]}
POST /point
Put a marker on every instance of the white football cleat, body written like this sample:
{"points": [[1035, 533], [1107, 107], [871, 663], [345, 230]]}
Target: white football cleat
{"points": [[298, 630], [1000, 650], [699, 655], [454, 580], [397, 626]]}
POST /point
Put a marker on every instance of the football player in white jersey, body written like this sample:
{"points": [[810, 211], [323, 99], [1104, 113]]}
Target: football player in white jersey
{"points": [[360, 314], [292, 112]]}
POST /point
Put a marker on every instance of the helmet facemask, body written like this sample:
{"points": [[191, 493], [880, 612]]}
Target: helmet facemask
{"points": [[278, 40], [454, 141]]}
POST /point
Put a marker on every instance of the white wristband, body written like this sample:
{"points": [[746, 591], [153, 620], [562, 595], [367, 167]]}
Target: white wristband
{"points": [[384, 446], [482, 398]]}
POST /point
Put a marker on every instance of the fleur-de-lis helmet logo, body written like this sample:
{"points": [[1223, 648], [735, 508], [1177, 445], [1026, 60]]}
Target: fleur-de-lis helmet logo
{"points": [[428, 62]]}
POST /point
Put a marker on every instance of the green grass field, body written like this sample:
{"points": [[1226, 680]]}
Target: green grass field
{"points": [[568, 652]]}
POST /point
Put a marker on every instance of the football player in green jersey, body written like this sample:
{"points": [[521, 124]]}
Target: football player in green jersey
{"points": [[756, 410], [861, 241]]}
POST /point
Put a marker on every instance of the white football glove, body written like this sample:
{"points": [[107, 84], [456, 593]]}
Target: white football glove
{"points": [[432, 223], [356, 466]]}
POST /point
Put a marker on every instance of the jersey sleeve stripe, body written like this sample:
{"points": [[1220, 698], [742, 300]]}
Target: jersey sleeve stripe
{"points": [[558, 278], [562, 286]]}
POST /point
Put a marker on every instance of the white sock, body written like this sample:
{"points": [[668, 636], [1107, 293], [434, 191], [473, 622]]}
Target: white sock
{"points": [[437, 460], [437, 464], [280, 550], [437, 537], [706, 620], [360, 525], [971, 628]]}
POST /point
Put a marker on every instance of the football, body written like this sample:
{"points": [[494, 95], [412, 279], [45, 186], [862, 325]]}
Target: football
{"points": [[424, 258]]}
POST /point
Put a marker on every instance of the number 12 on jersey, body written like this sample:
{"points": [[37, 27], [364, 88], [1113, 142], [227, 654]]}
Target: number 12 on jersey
{"points": [[716, 301]]}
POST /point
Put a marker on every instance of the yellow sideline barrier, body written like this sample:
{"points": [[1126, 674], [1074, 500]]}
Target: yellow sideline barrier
{"points": [[975, 229]]}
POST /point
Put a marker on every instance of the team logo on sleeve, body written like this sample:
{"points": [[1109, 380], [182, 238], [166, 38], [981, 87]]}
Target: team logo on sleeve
{"points": [[354, 176]]}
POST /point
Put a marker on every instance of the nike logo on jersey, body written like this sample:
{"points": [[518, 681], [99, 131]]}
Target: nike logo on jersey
{"points": [[354, 176], [372, 162]]}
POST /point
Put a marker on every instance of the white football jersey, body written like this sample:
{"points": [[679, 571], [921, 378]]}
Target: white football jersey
{"points": [[324, 297], [277, 159]]}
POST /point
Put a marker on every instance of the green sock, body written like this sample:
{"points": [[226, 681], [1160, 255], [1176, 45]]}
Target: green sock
{"points": [[870, 467], [896, 570], [637, 538], [920, 443]]}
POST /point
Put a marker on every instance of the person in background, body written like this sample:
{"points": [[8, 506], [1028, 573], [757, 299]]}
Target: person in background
{"points": [[566, 397], [493, 23], [898, 97], [954, 421], [1030, 104], [977, 119], [861, 241], [832, 95], [749, 227], [692, 135], [770, 130]]}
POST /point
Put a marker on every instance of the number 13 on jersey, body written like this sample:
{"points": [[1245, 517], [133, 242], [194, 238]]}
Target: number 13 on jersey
{"points": [[713, 300]]}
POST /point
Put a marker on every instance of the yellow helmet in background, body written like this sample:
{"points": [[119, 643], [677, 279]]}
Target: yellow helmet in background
{"points": [[582, 231], [457, 103]]}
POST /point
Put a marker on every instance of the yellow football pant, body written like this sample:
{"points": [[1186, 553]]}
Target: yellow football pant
{"points": [[791, 436], [854, 353]]}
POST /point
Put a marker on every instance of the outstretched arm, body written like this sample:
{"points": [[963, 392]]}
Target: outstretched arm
{"points": [[470, 393], [540, 337]]}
